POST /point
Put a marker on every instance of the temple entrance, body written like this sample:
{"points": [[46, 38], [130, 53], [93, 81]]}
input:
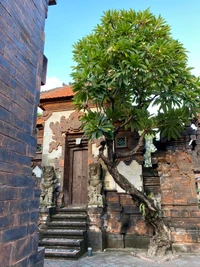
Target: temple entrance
{"points": [[76, 172]]}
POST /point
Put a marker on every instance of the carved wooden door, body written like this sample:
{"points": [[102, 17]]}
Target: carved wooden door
{"points": [[79, 176]]}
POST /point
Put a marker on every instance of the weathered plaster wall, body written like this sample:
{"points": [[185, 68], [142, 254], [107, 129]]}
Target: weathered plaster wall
{"points": [[133, 172], [49, 157], [21, 63]]}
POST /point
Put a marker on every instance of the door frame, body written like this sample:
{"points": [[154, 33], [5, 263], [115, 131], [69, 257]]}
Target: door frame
{"points": [[70, 147]]}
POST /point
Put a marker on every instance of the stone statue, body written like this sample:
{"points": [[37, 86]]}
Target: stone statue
{"points": [[95, 185], [150, 148], [48, 186]]}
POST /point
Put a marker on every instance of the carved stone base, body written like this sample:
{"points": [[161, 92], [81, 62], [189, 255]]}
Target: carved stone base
{"points": [[96, 240], [95, 233]]}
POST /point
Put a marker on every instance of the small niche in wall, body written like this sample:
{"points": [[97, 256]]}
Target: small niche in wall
{"points": [[39, 148], [121, 142]]}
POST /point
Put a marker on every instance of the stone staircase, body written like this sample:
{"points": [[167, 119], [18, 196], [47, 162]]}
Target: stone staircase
{"points": [[65, 236]]}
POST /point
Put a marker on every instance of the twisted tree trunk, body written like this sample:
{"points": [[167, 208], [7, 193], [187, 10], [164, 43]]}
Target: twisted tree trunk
{"points": [[160, 242]]}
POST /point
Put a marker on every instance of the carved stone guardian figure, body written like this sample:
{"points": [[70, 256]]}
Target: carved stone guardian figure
{"points": [[48, 186], [95, 185]]}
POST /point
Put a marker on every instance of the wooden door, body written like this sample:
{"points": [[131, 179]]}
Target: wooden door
{"points": [[79, 179]]}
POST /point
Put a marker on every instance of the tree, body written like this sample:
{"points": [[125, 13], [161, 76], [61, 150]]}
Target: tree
{"points": [[128, 64]]}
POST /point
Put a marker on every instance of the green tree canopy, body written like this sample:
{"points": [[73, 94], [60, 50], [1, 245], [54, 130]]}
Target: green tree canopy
{"points": [[129, 63]]}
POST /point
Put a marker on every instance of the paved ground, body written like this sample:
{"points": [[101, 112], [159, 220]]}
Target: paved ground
{"points": [[123, 258]]}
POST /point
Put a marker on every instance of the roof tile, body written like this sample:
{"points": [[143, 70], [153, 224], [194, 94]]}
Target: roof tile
{"points": [[65, 91]]}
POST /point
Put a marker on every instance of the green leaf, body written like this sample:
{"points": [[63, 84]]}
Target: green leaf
{"points": [[129, 63]]}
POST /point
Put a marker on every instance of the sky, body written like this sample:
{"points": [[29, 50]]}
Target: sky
{"points": [[70, 20]]}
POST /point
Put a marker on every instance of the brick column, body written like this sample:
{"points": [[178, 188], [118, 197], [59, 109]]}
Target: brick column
{"points": [[21, 64]]}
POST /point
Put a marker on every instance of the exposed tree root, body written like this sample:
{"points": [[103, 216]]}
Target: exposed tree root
{"points": [[159, 243]]}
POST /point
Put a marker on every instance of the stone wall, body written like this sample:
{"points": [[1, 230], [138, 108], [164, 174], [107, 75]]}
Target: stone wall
{"points": [[21, 65]]}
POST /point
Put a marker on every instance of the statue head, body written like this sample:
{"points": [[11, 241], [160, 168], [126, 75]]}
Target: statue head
{"points": [[48, 172]]}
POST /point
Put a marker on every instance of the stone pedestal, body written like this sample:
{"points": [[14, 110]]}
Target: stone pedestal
{"points": [[96, 240], [95, 231]]}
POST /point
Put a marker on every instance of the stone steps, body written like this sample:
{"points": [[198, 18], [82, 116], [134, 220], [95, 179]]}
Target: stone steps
{"points": [[61, 242], [63, 232], [73, 209], [65, 216], [68, 254], [68, 224], [65, 236]]}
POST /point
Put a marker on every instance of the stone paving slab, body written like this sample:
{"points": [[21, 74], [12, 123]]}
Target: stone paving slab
{"points": [[123, 258]]}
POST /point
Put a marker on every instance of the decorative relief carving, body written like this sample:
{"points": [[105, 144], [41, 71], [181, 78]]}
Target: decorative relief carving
{"points": [[73, 123], [59, 129], [58, 136]]}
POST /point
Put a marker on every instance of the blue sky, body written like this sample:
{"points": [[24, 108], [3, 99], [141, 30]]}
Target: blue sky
{"points": [[71, 20]]}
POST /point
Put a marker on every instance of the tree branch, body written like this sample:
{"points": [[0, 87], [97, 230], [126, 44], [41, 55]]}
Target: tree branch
{"points": [[150, 100], [101, 155], [133, 151], [105, 159], [122, 125]]}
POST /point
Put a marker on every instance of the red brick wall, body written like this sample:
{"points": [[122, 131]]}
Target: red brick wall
{"points": [[179, 200], [21, 54]]}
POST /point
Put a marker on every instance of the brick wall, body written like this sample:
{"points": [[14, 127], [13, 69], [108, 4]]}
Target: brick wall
{"points": [[179, 199], [21, 58]]}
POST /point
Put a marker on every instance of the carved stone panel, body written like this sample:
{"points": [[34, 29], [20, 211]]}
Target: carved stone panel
{"points": [[59, 129]]}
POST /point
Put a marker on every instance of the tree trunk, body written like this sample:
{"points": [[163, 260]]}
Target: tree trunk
{"points": [[160, 242]]}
